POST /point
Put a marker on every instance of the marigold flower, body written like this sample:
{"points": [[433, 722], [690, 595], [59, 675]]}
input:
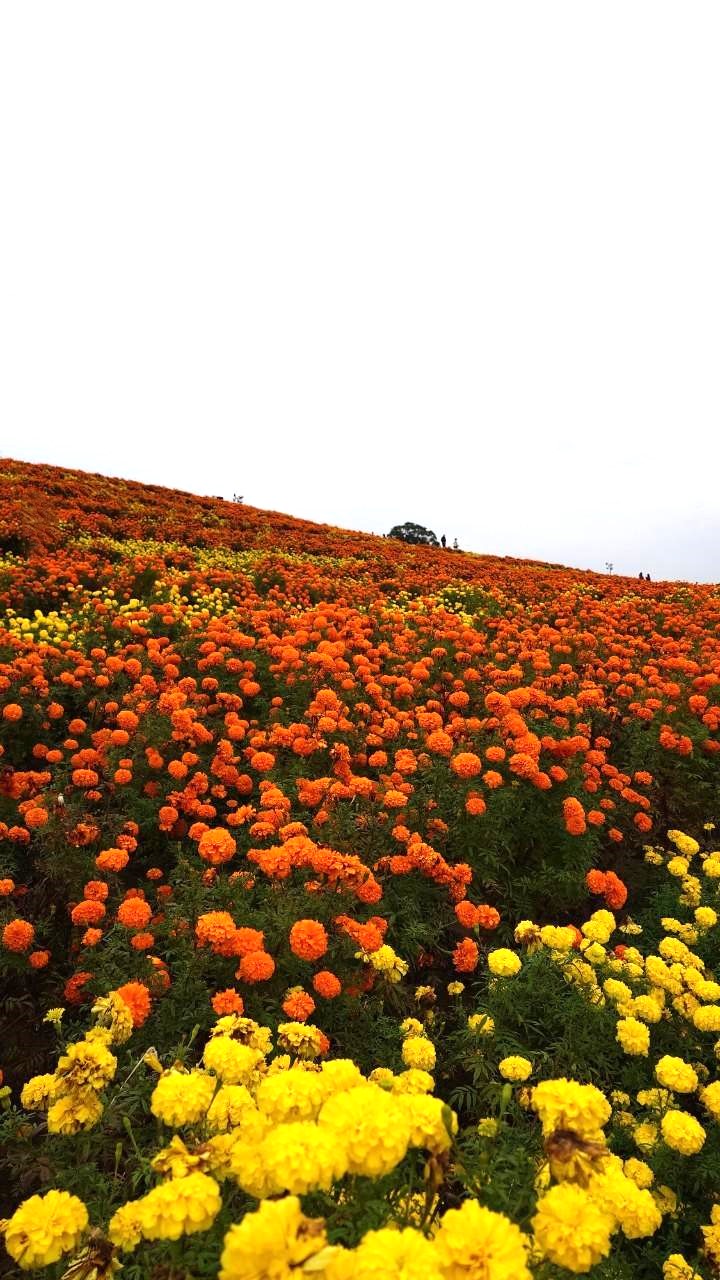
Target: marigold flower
{"points": [[308, 939], [45, 1227], [18, 935]]}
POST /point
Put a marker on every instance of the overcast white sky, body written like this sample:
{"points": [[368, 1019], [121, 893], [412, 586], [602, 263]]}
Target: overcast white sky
{"points": [[457, 263]]}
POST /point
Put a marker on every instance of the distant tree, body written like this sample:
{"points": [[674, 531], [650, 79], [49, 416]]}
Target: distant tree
{"points": [[414, 533]]}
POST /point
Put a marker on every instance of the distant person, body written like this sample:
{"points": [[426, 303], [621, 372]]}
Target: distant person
{"points": [[641, 576], [443, 540], [648, 578], [455, 545]]}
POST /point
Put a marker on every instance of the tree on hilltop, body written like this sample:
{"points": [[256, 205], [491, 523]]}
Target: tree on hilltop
{"points": [[414, 533]]}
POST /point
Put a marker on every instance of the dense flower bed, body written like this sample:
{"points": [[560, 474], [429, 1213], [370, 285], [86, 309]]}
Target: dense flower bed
{"points": [[352, 880]]}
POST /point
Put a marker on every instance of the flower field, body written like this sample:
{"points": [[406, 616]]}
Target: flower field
{"points": [[358, 902]]}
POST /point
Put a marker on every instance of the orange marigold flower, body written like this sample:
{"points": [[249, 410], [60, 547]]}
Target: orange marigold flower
{"points": [[36, 817], [7, 887], [228, 1001], [91, 937], [73, 991], [112, 860], [439, 742], [298, 1004], [574, 816], [475, 805], [96, 889], [85, 777], [247, 940], [466, 764], [18, 935], [257, 966], [466, 914], [12, 711], [263, 761], [488, 917], [595, 881], [326, 984], [615, 891], [142, 941], [38, 959], [134, 913], [89, 911], [216, 929], [216, 846], [492, 779], [465, 956], [137, 999], [308, 939]]}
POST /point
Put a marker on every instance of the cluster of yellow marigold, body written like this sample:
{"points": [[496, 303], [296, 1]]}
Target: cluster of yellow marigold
{"points": [[72, 1094]]}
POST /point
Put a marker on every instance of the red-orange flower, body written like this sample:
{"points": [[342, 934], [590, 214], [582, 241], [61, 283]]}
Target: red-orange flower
{"points": [[137, 999], [308, 939], [18, 935], [216, 846]]}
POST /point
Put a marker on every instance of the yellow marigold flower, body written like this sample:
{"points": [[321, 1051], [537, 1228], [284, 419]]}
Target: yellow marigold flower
{"points": [[387, 962], [273, 1242], [76, 1110], [617, 991], [676, 1268], [233, 1062], [244, 1160], [182, 1097], [43, 1228], [673, 1073], [383, 1077], [373, 1125], [481, 1023], [707, 1018], [685, 844], [645, 1135], [487, 1127], [245, 1030], [473, 1241], [37, 1093], [711, 1237], [86, 1065], [338, 1075], [392, 1254], [665, 1199], [302, 1157], [682, 1132], [125, 1226], [658, 1099], [453, 989], [704, 988], [229, 1107], [705, 917], [418, 1051], [291, 1095], [412, 1081], [633, 1036], [54, 1016], [711, 866], [640, 1172], [600, 927], [678, 866], [112, 1012], [710, 1098], [300, 1038], [411, 1027], [527, 934], [646, 1009], [565, 1104], [632, 1207], [515, 1068], [504, 963], [557, 937], [571, 1229], [180, 1207], [433, 1124]]}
